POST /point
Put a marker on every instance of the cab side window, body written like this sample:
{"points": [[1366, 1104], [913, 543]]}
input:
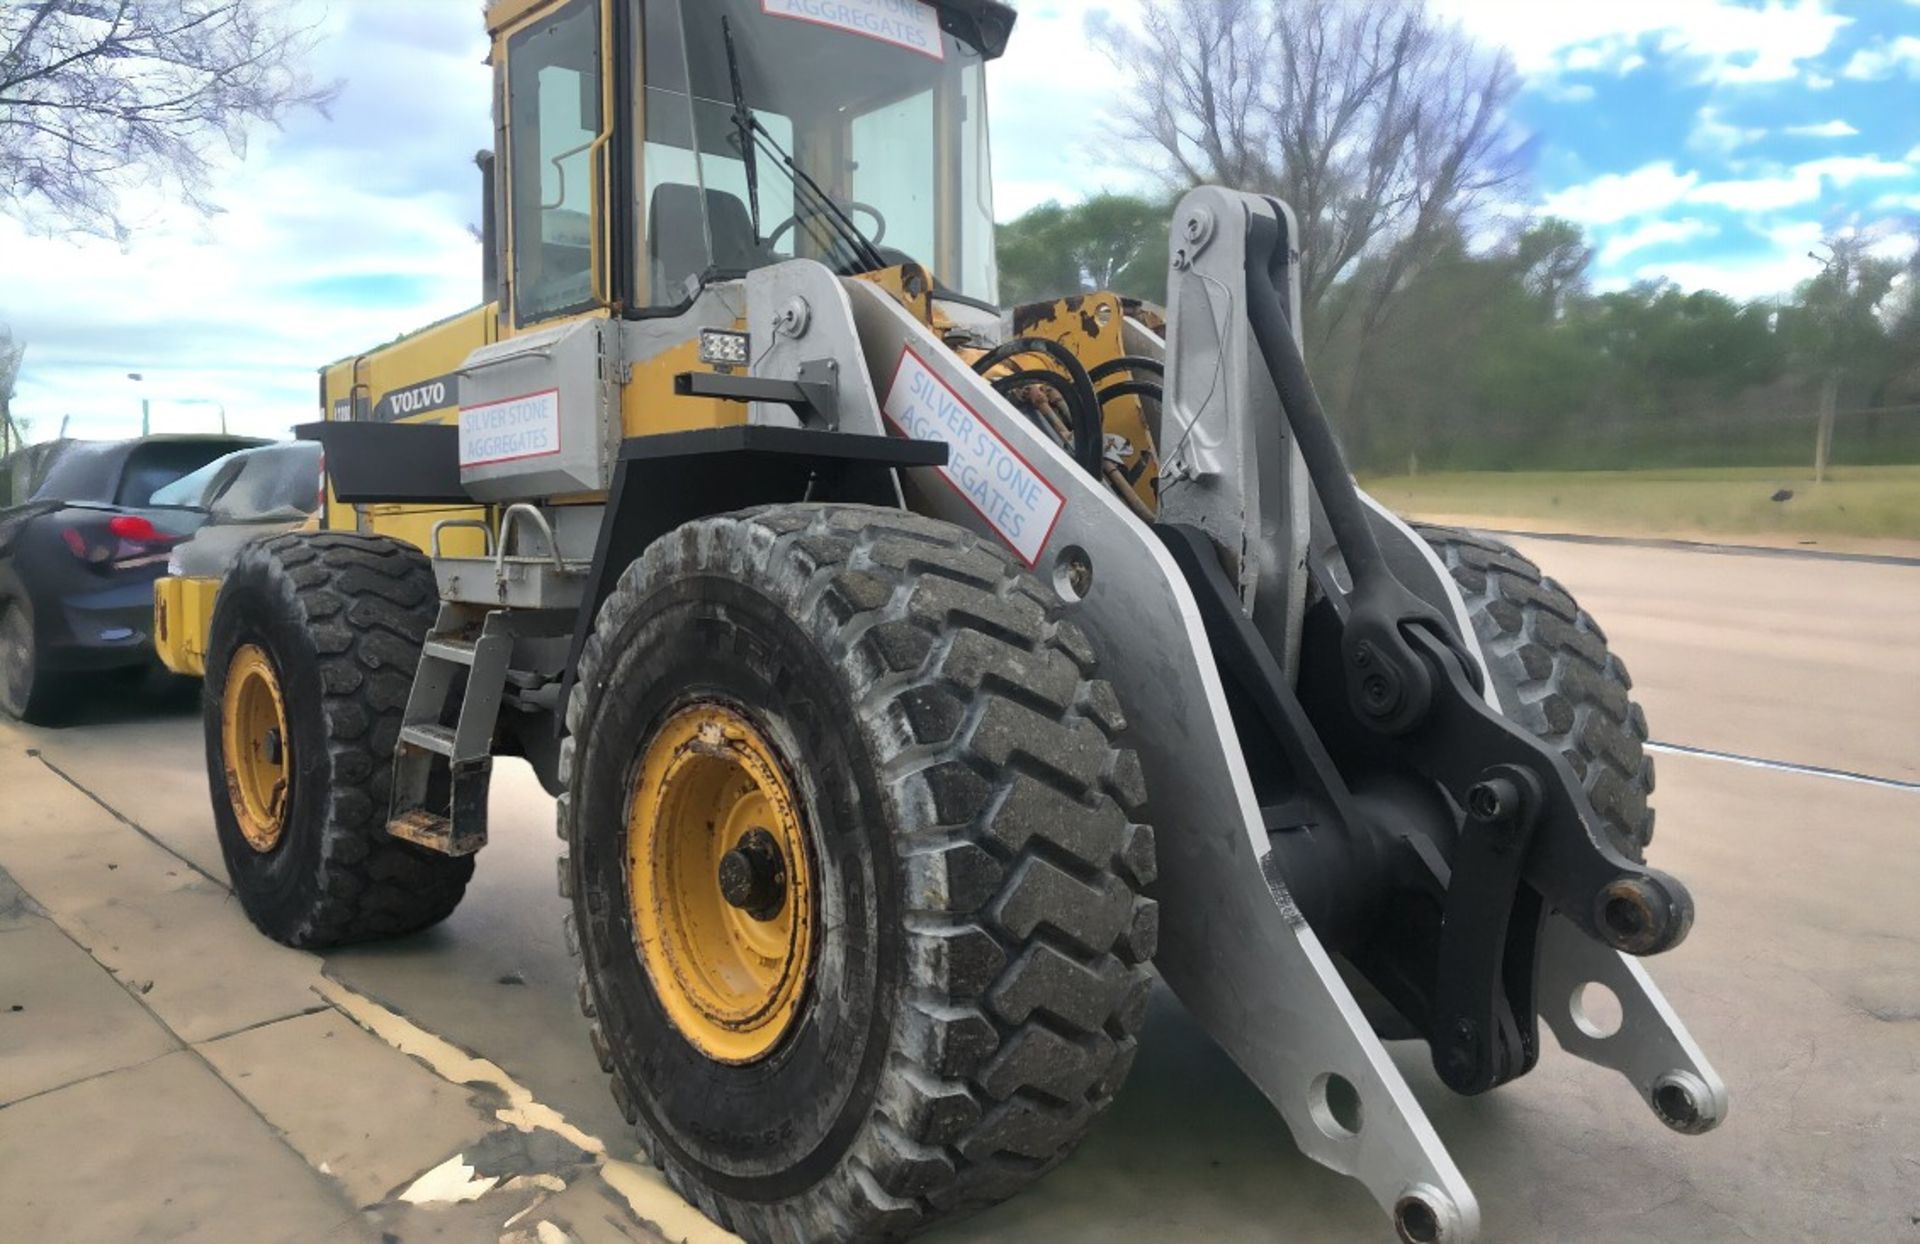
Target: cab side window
{"points": [[553, 123]]}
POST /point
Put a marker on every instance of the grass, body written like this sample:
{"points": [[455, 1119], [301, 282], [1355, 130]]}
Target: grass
{"points": [[1872, 503]]}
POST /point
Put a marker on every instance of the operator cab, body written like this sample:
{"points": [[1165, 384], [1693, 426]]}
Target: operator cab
{"points": [[654, 145]]}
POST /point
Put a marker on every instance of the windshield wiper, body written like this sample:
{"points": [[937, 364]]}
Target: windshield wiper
{"points": [[825, 205], [753, 136], [743, 124]]}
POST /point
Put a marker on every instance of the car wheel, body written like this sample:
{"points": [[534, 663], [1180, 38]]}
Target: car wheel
{"points": [[26, 690]]}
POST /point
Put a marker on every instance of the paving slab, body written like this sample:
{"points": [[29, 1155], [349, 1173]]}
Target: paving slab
{"points": [[380, 1120], [197, 960], [165, 794], [159, 1152], [164, 929], [63, 1018]]}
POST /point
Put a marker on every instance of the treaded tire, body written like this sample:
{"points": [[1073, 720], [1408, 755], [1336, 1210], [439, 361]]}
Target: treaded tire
{"points": [[341, 618], [27, 692], [1554, 674], [975, 1005]]}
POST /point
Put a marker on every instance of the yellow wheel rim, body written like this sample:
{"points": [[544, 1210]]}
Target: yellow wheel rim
{"points": [[721, 883], [258, 752]]}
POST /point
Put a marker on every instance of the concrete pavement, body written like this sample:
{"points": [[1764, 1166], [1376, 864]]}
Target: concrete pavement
{"points": [[173, 1076]]}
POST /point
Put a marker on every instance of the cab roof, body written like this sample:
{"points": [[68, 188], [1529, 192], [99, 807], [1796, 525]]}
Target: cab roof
{"points": [[986, 23]]}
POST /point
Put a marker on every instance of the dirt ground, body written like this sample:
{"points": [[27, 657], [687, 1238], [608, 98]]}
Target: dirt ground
{"points": [[167, 1074]]}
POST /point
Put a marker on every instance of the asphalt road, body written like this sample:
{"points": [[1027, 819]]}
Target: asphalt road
{"points": [[154, 1017]]}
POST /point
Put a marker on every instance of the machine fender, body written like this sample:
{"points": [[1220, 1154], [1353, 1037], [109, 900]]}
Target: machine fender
{"points": [[662, 482], [182, 620], [391, 463]]}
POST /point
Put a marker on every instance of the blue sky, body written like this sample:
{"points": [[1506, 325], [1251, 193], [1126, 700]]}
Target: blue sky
{"points": [[1707, 141]]}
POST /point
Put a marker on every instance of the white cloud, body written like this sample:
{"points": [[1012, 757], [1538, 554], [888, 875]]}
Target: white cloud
{"points": [[1567, 92], [1796, 235], [1732, 42], [1803, 183], [1645, 191], [1742, 279], [1902, 55], [1048, 143], [1711, 132], [1650, 234], [1826, 129], [1897, 247]]}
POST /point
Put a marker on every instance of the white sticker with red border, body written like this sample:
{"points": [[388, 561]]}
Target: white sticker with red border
{"points": [[1014, 499], [906, 24], [510, 430]]}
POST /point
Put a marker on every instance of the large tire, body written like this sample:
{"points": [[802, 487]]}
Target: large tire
{"points": [[975, 990], [1554, 674], [340, 619], [27, 691]]}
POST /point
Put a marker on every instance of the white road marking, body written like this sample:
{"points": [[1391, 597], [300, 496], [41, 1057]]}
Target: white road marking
{"points": [[650, 1197], [1781, 766], [449, 1183], [653, 1199]]}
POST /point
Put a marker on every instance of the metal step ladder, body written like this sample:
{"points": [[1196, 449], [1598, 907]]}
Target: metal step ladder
{"points": [[472, 645]]}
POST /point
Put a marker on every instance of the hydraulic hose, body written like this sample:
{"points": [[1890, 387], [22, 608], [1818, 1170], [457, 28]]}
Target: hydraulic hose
{"points": [[1088, 430], [1135, 363]]}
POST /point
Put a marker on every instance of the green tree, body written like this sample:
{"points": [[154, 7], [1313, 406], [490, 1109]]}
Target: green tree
{"points": [[1109, 242]]}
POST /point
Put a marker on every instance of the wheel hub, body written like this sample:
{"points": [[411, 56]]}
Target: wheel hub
{"points": [[720, 882], [253, 729], [753, 877]]}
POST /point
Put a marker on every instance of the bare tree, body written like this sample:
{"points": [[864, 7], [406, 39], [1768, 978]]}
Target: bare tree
{"points": [[12, 354], [1383, 127], [97, 96], [1837, 328]]}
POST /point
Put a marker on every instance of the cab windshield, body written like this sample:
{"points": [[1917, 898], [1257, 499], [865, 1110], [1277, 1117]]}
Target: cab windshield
{"points": [[874, 101]]}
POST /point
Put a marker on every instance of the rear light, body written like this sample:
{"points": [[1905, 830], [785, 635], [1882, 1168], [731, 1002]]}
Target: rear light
{"points": [[122, 541], [133, 527]]}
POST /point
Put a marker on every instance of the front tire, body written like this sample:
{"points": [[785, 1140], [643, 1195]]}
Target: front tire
{"points": [[312, 653], [1555, 675], [974, 934]]}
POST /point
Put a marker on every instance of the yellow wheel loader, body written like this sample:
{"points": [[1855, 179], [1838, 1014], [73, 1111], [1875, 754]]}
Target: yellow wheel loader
{"points": [[911, 674]]}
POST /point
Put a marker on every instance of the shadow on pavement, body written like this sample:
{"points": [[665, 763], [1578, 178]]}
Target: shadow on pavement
{"points": [[127, 697]]}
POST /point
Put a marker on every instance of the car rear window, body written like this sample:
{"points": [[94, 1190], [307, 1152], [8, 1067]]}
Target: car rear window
{"points": [[190, 489], [153, 466]]}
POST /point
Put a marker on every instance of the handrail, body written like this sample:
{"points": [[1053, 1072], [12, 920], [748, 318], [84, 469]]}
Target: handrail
{"points": [[444, 524], [523, 510]]}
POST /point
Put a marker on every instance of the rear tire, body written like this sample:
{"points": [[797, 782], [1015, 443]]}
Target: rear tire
{"points": [[339, 619], [27, 692], [1555, 675], [977, 972]]}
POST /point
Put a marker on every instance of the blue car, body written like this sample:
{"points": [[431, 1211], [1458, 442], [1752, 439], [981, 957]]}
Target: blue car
{"points": [[79, 556]]}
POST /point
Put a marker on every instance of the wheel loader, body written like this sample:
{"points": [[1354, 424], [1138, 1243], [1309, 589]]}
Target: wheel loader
{"points": [[916, 678]]}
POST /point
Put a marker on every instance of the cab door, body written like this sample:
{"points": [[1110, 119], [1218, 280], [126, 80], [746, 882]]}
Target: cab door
{"points": [[556, 103]]}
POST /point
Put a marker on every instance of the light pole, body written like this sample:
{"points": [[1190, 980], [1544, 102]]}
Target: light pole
{"points": [[146, 408], [146, 413]]}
